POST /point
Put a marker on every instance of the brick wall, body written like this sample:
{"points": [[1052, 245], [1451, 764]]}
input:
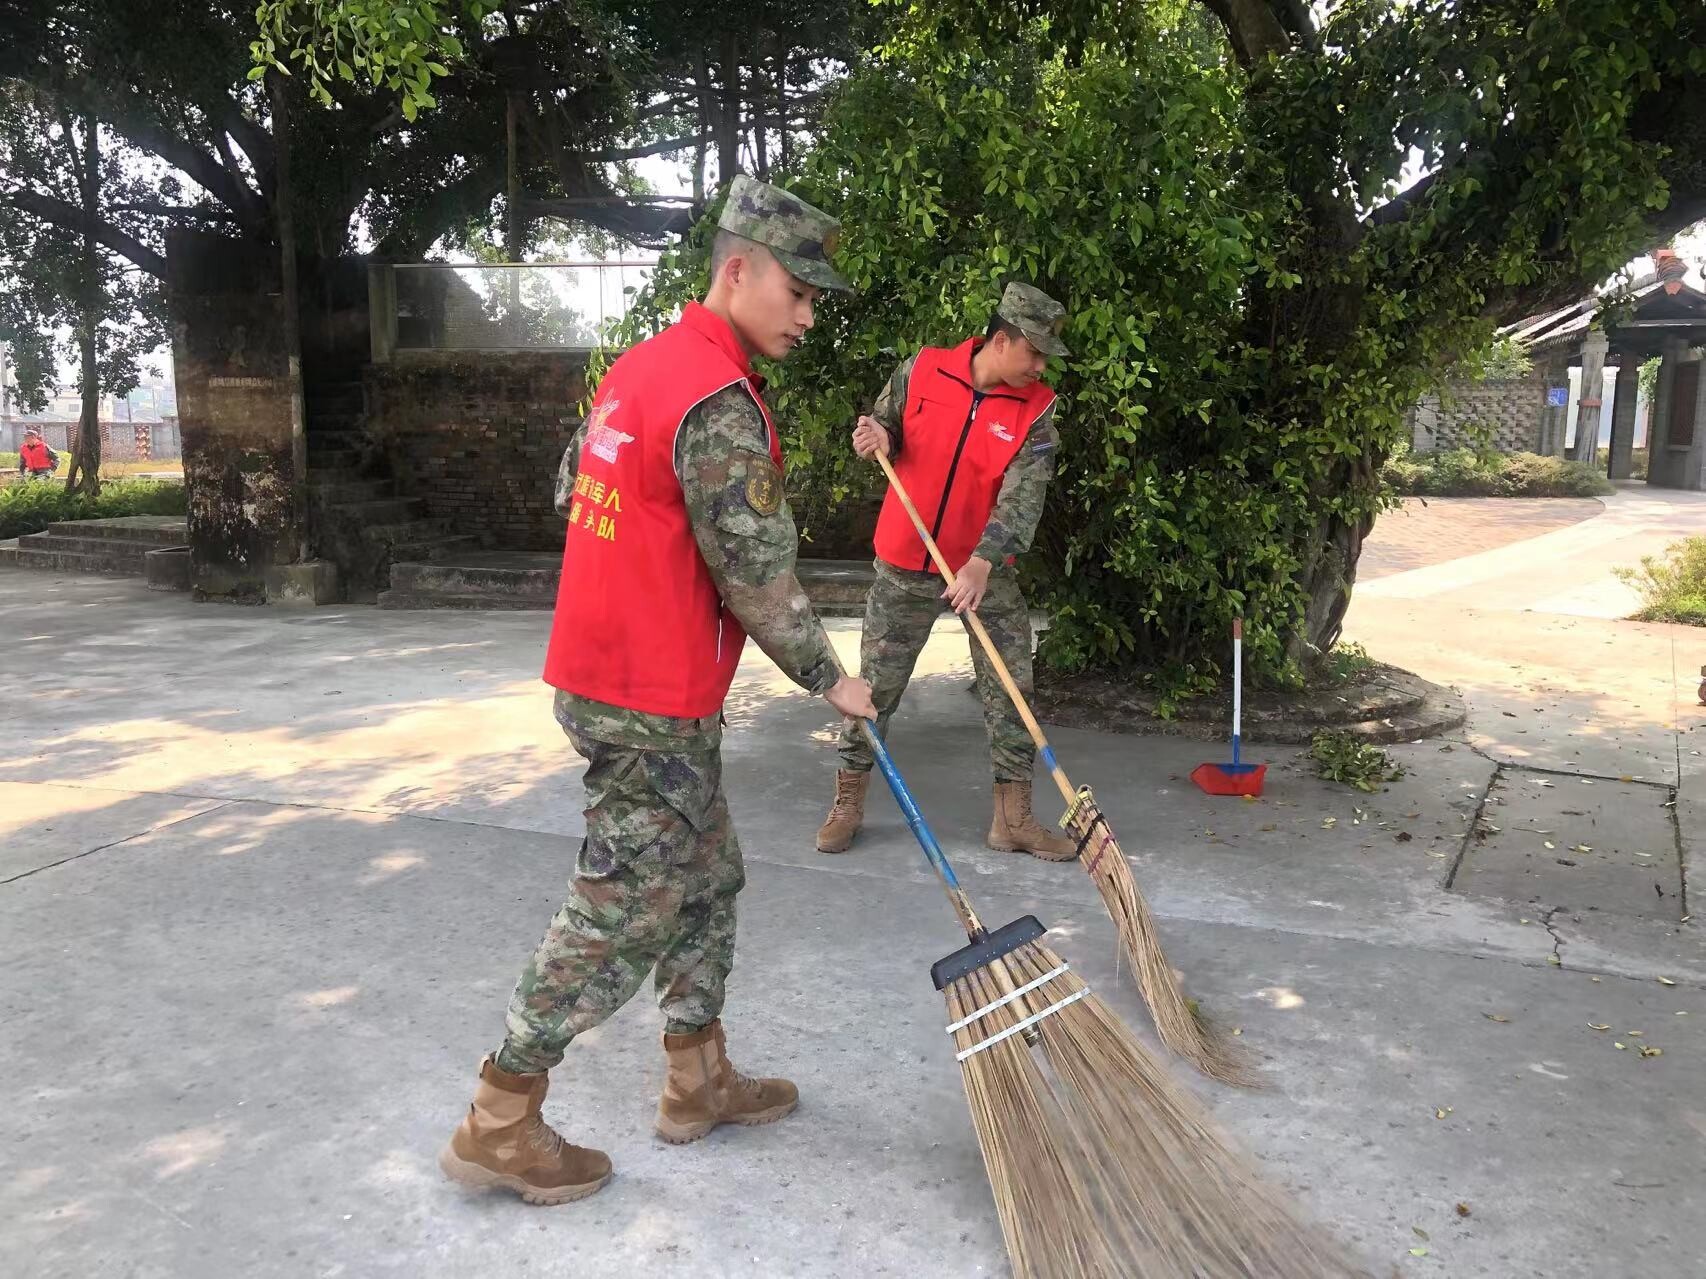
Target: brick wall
{"points": [[479, 437], [1458, 417]]}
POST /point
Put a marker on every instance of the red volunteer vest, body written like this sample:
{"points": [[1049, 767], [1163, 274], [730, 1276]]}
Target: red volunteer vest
{"points": [[639, 622], [951, 459], [34, 456]]}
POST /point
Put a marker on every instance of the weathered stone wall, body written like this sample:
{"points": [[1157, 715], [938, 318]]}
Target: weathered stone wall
{"points": [[235, 391], [1463, 414], [479, 436]]}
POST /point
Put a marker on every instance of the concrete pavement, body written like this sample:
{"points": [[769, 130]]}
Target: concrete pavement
{"points": [[269, 878]]}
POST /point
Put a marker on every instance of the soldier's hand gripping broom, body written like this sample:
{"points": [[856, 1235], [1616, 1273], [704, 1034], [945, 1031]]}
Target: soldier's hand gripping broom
{"points": [[1100, 1165], [1176, 1019]]}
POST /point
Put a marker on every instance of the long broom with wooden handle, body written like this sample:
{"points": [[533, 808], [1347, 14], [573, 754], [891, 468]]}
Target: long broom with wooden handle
{"points": [[1176, 1019], [1100, 1165]]}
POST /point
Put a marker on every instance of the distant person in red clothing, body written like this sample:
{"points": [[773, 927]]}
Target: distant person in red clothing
{"points": [[36, 461]]}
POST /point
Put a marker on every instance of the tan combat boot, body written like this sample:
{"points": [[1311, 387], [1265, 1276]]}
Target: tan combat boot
{"points": [[704, 1090], [846, 815], [503, 1141], [1014, 830]]}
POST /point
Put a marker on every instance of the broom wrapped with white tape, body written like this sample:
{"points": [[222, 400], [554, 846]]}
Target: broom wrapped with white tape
{"points": [[1100, 1165], [1176, 1018]]}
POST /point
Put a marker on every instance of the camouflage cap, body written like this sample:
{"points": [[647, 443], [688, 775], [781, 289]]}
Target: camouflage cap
{"points": [[1035, 314], [801, 237]]}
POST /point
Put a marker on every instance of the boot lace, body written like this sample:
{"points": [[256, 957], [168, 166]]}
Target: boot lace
{"points": [[846, 792], [543, 1138]]}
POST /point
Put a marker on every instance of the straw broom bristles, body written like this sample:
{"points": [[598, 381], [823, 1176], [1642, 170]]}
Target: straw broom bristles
{"points": [[1180, 1027], [1100, 1165]]}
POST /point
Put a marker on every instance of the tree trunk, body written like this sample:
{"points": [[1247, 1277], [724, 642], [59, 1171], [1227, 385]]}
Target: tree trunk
{"points": [[284, 217], [85, 473], [703, 98], [728, 116], [782, 144], [760, 96]]}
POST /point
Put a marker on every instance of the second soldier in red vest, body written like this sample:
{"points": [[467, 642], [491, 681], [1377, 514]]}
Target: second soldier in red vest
{"points": [[972, 433]]}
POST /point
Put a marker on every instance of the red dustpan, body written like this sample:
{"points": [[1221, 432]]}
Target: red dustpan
{"points": [[1236, 778]]}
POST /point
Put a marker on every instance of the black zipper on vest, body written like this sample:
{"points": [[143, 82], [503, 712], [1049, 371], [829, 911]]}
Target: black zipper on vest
{"points": [[948, 485]]}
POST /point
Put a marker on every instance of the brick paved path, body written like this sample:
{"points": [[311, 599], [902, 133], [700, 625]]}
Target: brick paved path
{"points": [[1448, 528]]}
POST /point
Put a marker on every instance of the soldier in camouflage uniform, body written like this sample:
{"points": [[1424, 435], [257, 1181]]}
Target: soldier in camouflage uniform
{"points": [[655, 883], [1003, 513]]}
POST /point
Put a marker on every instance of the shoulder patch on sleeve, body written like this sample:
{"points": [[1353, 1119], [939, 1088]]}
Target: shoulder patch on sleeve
{"points": [[764, 487]]}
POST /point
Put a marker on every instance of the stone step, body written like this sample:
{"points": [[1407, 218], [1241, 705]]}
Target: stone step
{"points": [[333, 397], [399, 532], [840, 583], [395, 599], [500, 574], [432, 548], [323, 420], [322, 440], [160, 530], [84, 545], [9, 551], [334, 459], [382, 511], [128, 564], [339, 489]]}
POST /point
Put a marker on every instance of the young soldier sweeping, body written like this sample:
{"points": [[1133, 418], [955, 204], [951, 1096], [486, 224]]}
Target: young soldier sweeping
{"points": [[680, 545], [972, 433]]}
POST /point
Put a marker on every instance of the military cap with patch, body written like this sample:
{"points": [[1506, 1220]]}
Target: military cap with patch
{"points": [[1035, 314], [802, 237]]}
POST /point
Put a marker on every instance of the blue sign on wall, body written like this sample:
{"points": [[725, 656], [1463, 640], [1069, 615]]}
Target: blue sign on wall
{"points": [[1557, 396]]}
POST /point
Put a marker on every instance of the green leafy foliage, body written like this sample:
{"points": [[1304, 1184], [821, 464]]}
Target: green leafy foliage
{"points": [[1672, 586], [1475, 473], [1344, 757], [31, 507], [397, 45]]}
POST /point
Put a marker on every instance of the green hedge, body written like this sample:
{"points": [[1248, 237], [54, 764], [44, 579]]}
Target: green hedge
{"points": [[29, 508], [1466, 473], [1673, 586]]}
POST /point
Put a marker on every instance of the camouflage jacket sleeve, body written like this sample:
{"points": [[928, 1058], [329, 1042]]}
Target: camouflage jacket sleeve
{"points": [[566, 470], [890, 408], [1019, 505], [746, 533]]}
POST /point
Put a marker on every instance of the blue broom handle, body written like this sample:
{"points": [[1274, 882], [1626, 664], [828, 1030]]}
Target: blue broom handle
{"points": [[922, 832]]}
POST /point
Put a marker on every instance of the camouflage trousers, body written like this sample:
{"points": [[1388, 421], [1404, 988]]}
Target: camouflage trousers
{"points": [[899, 612], [654, 889]]}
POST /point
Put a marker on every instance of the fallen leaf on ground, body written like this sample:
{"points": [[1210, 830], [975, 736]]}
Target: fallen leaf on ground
{"points": [[1270, 826], [1581, 848], [1548, 843], [1442, 1112], [1617, 1043], [1462, 1210], [1418, 1252], [1596, 1025], [1593, 979], [1626, 778], [1419, 1232], [1554, 961], [1636, 1033], [1666, 981], [1650, 1051], [1403, 837], [1495, 1017]]}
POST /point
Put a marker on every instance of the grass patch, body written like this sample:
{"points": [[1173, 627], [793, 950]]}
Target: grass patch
{"points": [[1672, 585], [1347, 758], [1468, 473], [29, 508]]}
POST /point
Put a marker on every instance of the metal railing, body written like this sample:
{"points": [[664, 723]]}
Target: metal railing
{"points": [[555, 306]]}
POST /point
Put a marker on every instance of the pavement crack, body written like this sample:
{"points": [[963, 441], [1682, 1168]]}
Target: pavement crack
{"points": [[101, 848], [1557, 941]]}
